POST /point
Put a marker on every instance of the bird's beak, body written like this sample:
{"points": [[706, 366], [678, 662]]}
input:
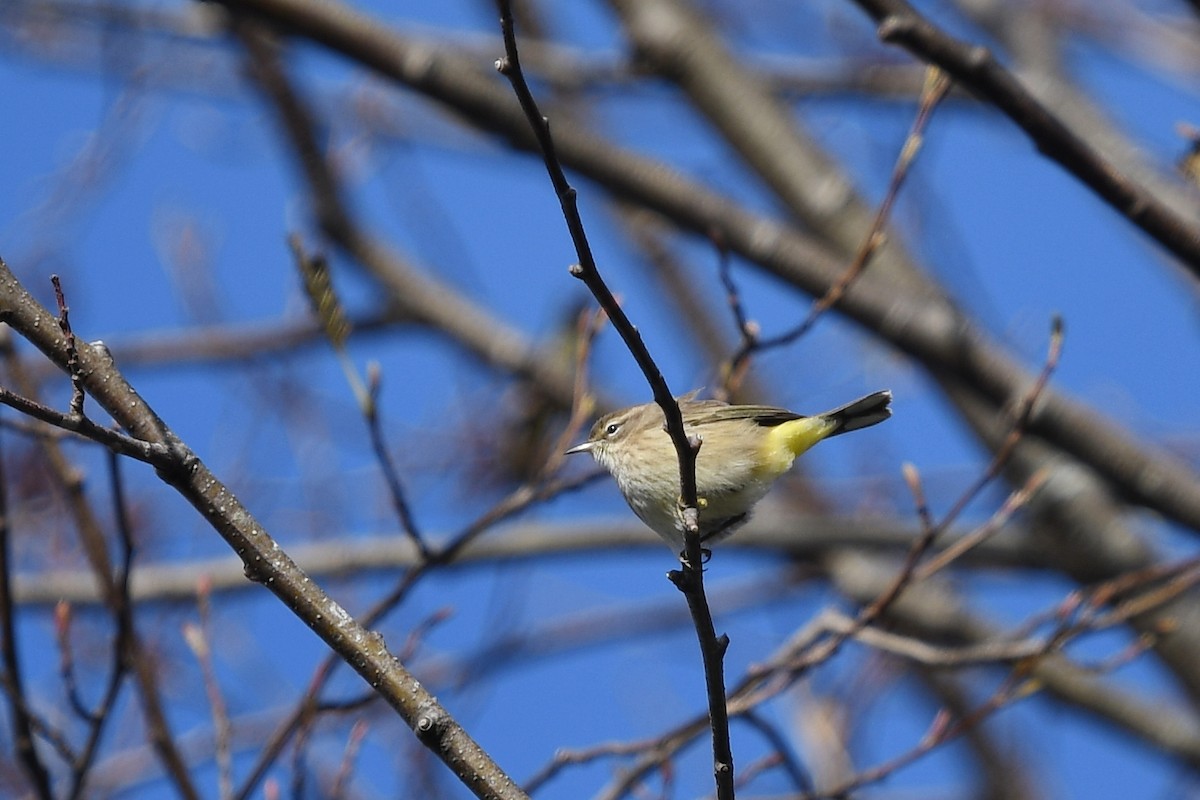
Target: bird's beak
{"points": [[586, 447]]}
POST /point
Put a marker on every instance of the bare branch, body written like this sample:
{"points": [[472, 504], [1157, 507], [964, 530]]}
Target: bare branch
{"points": [[264, 560], [690, 579], [974, 68], [939, 338], [13, 685]]}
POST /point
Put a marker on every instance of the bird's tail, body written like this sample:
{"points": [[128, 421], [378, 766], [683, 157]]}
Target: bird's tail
{"points": [[784, 442], [861, 413]]}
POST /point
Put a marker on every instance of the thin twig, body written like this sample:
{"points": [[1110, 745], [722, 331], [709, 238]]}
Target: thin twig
{"points": [[826, 648], [516, 502], [977, 70], [147, 452], [923, 653], [20, 716], [566, 757], [1014, 502], [122, 652], [345, 772], [64, 322], [937, 86], [782, 750], [328, 309], [199, 638], [689, 579]]}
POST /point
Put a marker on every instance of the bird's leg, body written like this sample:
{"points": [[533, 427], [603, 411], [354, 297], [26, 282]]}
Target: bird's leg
{"points": [[705, 555]]}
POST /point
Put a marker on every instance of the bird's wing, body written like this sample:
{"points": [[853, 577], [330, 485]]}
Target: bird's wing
{"points": [[705, 412]]}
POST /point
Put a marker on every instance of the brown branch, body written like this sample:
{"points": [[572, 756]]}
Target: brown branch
{"points": [[319, 286], [301, 715], [934, 613], [803, 537], [13, 684], [125, 649], [941, 339], [943, 730], [974, 68], [587, 271], [921, 652], [115, 441], [421, 298], [937, 86], [1039, 38], [824, 648], [1020, 683], [264, 560], [690, 579], [683, 47], [108, 588], [567, 757]]}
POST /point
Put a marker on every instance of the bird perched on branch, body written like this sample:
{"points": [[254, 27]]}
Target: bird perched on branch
{"points": [[744, 449]]}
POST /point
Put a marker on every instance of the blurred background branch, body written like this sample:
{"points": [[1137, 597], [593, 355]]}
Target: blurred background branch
{"points": [[159, 163]]}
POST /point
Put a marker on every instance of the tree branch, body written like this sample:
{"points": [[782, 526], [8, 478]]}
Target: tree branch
{"points": [[690, 579], [974, 68], [264, 560]]}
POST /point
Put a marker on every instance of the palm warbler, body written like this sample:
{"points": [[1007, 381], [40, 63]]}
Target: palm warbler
{"points": [[743, 450]]}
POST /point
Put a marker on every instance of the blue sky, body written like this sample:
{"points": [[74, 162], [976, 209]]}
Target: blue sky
{"points": [[194, 188]]}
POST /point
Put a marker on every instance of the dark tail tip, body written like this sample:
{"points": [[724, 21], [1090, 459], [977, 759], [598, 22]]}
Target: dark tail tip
{"points": [[862, 413]]}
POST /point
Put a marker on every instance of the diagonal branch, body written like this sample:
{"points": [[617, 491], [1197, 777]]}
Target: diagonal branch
{"points": [[974, 68], [264, 560]]}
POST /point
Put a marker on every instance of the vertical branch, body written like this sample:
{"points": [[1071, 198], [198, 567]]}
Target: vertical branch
{"points": [[123, 649], [690, 579], [64, 323], [198, 638], [14, 685]]}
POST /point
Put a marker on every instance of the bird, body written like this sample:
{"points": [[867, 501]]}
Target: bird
{"points": [[744, 449]]}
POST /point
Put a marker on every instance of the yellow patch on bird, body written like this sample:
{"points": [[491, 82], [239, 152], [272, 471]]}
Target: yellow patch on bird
{"points": [[784, 442]]}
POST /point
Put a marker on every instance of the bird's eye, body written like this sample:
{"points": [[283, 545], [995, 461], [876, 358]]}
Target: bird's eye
{"points": [[611, 429]]}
